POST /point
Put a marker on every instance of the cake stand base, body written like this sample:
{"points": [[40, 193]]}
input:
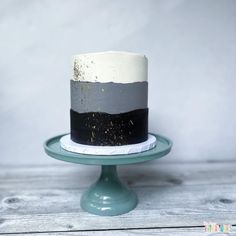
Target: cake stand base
{"points": [[108, 196]]}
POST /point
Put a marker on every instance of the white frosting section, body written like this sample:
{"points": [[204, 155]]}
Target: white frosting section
{"points": [[117, 67], [69, 145]]}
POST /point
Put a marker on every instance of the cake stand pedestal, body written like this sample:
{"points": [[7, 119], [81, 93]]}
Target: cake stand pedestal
{"points": [[108, 196]]}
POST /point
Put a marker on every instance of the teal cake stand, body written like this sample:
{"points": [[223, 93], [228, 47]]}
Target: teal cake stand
{"points": [[108, 196]]}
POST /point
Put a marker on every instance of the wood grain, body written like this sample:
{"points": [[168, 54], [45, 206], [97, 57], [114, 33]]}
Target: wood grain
{"points": [[144, 174], [191, 231], [46, 199]]}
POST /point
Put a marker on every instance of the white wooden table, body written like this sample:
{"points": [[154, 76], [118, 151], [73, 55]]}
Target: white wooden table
{"points": [[174, 199]]}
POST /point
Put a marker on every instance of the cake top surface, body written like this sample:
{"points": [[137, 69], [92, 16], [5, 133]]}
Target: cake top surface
{"points": [[110, 66]]}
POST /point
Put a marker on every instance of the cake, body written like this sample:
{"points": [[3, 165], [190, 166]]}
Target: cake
{"points": [[109, 99]]}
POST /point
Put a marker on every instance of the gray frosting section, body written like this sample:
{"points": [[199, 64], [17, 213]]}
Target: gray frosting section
{"points": [[112, 98]]}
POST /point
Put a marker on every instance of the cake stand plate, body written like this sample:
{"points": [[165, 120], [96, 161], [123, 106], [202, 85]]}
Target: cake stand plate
{"points": [[108, 196]]}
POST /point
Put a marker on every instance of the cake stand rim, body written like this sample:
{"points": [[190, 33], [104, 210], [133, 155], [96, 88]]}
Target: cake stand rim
{"points": [[122, 159]]}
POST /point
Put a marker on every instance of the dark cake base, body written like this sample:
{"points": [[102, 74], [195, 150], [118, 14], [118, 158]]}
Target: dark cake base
{"points": [[103, 129]]}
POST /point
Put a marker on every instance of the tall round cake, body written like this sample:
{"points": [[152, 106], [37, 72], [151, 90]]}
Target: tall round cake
{"points": [[109, 99]]}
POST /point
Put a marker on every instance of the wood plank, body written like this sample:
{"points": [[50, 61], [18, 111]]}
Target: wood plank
{"points": [[192, 231], [46, 199], [150, 173]]}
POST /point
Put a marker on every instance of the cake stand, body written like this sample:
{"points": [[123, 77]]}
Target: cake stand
{"points": [[108, 196]]}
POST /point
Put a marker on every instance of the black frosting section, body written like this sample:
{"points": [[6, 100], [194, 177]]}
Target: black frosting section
{"points": [[103, 129]]}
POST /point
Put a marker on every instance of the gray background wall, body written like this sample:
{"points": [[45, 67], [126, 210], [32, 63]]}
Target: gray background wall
{"points": [[191, 47]]}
